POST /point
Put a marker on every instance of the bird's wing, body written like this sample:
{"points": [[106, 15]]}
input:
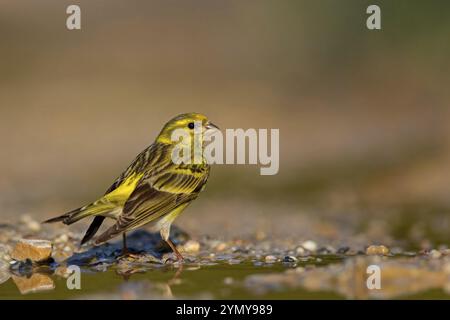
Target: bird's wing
{"points": [[163, 189], [155, 158], [118, 193], [135, 170]]}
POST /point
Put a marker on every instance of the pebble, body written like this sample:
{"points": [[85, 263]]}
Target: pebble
{"points": [[397, 250], [290, 259], [191, 246], [35, 250], [270, 259], [301, 251], [326, 250], [377, 250], [30, 223], [63, 238], [310, 245], [34, 226], [435, 254], [221, 246], [343, 250]]}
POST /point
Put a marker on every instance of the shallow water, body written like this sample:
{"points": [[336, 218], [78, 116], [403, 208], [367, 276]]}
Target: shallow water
{"points": [[215, 281], [218, 281]]}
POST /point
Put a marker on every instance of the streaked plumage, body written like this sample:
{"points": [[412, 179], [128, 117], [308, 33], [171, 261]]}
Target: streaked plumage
{"points": [[152, 190]]}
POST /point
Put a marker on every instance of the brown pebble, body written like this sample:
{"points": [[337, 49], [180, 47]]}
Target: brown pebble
{"points": [[270, 259], [221, 246], [35, 250], [191, 246], [377, 250]]}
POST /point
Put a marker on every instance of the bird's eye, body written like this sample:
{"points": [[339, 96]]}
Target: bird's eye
{"points": [[191, 125]]}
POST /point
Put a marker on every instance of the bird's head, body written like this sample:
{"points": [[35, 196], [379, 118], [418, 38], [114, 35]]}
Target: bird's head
{"points": [[191, 123]]}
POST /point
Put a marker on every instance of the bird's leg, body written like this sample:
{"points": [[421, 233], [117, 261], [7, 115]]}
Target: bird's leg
{"points": [[125, 252], [175, 250], [124, 247]]}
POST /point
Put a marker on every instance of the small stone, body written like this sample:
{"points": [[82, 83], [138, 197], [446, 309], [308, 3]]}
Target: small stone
{"points": [[191, 246], [300, 251], [377, 250], [326, 250], [343, 250], [34, 226], [310, 245], [396, 250], [30, 223], [270, 259], [221, 246], [35, 250], [434, 254], [62, 238], [290, 259]]}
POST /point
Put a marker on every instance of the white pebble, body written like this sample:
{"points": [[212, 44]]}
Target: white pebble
{"points": [[434, 254], [270, 259], [34, 226], [191, 246], [62, 238], [310, 245]]}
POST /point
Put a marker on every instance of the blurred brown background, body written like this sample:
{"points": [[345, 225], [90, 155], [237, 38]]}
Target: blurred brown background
{"points": [[363, 115]]}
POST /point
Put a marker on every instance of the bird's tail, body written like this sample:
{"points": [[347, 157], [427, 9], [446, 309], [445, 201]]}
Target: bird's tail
{"points": [[93, 209], [71, 216]]}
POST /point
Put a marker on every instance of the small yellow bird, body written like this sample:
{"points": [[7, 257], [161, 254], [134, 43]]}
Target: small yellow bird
{"points": [[152, 190]]}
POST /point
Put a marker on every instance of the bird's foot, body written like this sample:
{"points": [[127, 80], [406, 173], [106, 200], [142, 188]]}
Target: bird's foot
{"points": [[174, 259], [177, 253], [126, 254]]}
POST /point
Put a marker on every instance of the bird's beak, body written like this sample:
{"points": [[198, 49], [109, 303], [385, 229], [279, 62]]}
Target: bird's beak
{"points": [[210, 125]]}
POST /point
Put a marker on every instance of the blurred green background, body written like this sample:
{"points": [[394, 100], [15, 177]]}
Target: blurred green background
{"points": [[363, 115]]}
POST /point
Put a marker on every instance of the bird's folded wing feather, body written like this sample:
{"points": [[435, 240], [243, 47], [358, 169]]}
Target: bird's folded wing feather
{"points": [[157, 194]]}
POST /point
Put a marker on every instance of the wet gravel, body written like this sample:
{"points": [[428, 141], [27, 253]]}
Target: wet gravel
{"points": [[303, 265]]}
